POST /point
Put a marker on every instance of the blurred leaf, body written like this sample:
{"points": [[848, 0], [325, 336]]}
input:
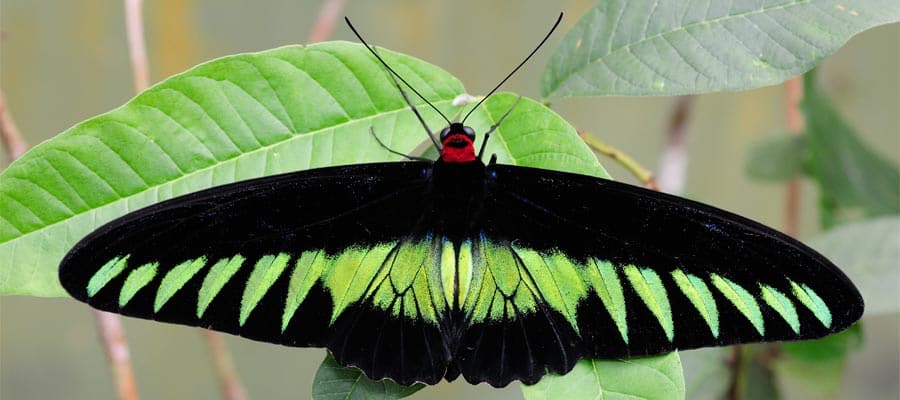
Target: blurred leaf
{"points": [[819, 364], [757, 379], [778, 158], [707, 375], [235, 118], [334, 382], [651, 378], [849, 174], [869, 253], [669, 47]]}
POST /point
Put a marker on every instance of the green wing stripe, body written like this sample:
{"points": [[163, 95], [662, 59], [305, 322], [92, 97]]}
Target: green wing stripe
{"points": [[742, 299], [813, 302], [700, 296], [352, 273], [106, 273], [448, 270], [650, 289], [558, 282], [220, 273], [309, 268], [781, 304], [602, 277], [464, 264], [499, 259], [264, 274], [175, 280], [136, 280]]}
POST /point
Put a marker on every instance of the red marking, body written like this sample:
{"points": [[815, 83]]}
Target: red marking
{"points": [[456, 154]]}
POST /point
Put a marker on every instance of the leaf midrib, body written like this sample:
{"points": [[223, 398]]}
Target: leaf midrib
{"points": [[294, 136], [718, 20]]}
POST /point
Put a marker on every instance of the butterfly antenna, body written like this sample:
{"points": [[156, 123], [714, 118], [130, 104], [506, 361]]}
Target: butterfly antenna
{"points": [[415, 110], [558, 20], [394, 72]]}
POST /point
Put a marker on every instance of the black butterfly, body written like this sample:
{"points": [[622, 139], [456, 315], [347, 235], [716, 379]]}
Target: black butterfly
{"points": [[424, 270]]}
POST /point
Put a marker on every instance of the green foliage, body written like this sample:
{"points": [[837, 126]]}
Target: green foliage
{"points": [[849, 174], [669, 47], [334, 382], [778, 158], [868, 252], [651, 378], [819, 364]]}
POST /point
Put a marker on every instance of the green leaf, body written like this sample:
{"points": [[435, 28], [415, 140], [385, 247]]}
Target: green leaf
{"points": [[849, 174], [778, 158], [651, 378], [334, 382], [757, 381], [867, 252], [819, 364], [672, 47]]}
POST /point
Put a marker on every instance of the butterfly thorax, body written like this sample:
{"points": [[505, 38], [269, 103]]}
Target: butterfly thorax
{"points": [[457, 192]]}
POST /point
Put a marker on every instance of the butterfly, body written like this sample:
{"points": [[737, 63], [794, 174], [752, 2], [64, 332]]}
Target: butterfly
{"points": [[425, 270]]}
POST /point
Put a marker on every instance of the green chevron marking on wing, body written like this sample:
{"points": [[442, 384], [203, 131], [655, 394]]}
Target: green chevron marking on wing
{"points": [[742, 299], [464, 274], [813, 302], [700, 296], [448, 270], [601, 276], [557, 281], [307, 271], [264, 274], [175, 280], [216, 278], [106, 273], [136, 280], [650, 289], [351, 274], [782, 305]]}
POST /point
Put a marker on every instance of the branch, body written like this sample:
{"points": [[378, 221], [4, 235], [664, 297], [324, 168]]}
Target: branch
{"points": [[328, 16], [674, 160], [113, 338], [137, 50], [793, 93], [228, 377], [12, 140], [636, 169]]}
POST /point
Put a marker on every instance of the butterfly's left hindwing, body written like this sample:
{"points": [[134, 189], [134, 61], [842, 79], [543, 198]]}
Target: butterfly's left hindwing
{"points": [[317, 258]]}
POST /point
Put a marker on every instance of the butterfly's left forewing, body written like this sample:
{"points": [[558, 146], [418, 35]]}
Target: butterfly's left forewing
{"points": [[314, 258]]}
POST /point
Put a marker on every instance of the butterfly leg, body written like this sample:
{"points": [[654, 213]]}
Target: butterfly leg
{"points": [[494, 126], [377, 139]]}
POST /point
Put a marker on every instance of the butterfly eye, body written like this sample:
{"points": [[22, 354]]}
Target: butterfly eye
{"points": [[444, 133], [469, 132]]}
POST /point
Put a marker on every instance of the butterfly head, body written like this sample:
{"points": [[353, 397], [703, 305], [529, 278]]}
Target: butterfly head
{"points": [[458, 143]]}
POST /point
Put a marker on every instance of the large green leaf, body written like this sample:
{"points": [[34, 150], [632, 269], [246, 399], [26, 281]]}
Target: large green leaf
{"points": [[334, 382], [673, 47], [778, 158], [849, 174], [650, 378], [869, 253], [819, 364]]}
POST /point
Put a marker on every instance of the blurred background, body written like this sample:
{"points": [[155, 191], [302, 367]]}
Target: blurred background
{"points": [[63, 61]]}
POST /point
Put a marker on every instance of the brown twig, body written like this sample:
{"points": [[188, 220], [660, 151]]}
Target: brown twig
{"points": [[636, 169], [228, 378], [12, 140], [137, 50], [328, 16], [735, 362], [113, 338], [793, 94], [674, 159]]}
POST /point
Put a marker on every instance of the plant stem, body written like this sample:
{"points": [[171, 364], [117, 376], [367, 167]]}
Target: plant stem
{"points": [[736, 363], [636, 169], [228, 378], [113, 338], [12, 140], [793, 94], [324, 25], [137, 50], [674, 160]]}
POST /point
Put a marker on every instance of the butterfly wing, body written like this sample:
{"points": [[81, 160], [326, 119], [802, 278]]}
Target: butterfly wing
{"points": [[285, 259], [570, 266]]}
